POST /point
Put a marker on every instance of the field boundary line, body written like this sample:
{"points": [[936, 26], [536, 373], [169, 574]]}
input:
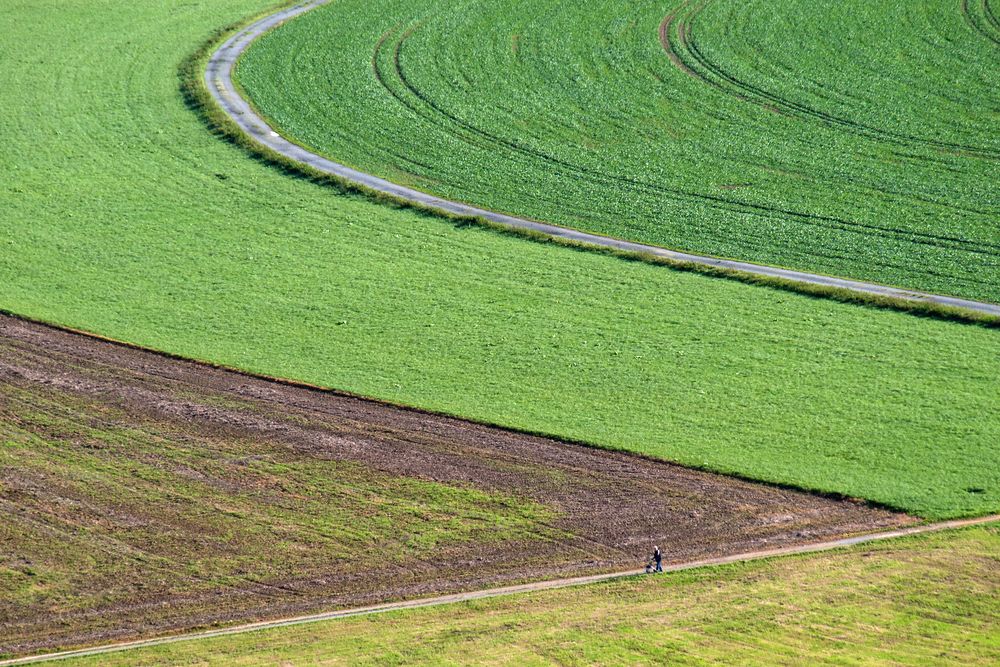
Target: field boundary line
{"points": [[217, 78], [440, 413], [553, 584]]}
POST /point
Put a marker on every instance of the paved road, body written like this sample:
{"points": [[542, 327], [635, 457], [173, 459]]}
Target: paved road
{"points": [[498, 592], [218, 77]]}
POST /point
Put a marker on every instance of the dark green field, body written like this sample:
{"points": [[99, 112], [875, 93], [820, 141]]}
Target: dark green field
{"points": [[849, 138]]}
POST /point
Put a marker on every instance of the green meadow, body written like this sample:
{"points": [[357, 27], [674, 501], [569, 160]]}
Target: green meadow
{"points": [[925, 600], [123, 215], [854, 138]]}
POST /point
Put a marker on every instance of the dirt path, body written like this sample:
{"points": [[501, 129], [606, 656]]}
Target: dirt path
{"points": [[145, 495], [499, 592], [218, 78]]}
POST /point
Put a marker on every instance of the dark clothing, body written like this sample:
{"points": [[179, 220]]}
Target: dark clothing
{"points": [[658, 557]]}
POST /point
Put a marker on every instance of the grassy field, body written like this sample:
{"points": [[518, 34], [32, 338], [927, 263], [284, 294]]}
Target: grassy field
{"points": [[777, 131], [123, 216], [933, 599]]}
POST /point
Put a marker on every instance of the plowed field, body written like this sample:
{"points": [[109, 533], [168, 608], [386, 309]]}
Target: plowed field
{"points": [[142, 494]]}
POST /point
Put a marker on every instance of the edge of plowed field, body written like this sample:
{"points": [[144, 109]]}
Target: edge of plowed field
{"points": [[210, 89], [301, 384], [504, 591]]}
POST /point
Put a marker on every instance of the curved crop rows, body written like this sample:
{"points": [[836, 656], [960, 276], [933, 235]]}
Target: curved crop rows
{"points": [[983, 19], [684, 51], [723, 128]]}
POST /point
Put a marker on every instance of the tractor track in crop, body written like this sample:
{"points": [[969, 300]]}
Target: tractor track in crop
{"points": [[218, 79], [984, 21], [684, 52]]}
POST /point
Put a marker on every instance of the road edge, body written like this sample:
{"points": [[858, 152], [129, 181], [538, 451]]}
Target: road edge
{"points": [[233, 115]]}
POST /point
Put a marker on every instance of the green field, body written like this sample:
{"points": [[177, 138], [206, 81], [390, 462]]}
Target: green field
{"points": [[927, 600], [122, 215], [852, 138]]}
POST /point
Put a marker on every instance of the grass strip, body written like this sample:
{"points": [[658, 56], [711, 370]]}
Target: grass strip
{"points": [[930, 598]]}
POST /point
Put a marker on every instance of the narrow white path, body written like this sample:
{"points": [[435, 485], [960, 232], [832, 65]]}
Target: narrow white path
{"points": [[507, 590], [218, 78]]}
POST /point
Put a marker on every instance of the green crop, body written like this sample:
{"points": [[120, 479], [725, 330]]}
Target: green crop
{"points": [[852, 138], [123, 215]]}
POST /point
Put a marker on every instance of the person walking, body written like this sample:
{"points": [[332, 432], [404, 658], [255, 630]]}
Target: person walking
{"points": [[658, 557]]}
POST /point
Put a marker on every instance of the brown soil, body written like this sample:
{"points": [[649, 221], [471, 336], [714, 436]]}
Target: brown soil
{"points": [[608, 509]]}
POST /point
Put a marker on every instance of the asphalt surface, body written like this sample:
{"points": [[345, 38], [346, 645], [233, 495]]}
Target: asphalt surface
{"points": [[218, 78], [499, 592]]}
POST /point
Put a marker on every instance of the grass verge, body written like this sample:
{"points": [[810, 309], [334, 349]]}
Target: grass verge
{"points": [[916, 600]]}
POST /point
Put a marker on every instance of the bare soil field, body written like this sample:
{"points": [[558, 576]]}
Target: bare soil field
{"points": [[142, 494]]}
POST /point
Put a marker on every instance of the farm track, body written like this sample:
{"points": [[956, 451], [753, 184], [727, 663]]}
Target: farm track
{"points": [[218, 78], [187, 464], [500, 592]]}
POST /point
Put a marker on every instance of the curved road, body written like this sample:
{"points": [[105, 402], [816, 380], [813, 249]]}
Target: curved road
{"points": [[218, 78], [498, 592]]}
